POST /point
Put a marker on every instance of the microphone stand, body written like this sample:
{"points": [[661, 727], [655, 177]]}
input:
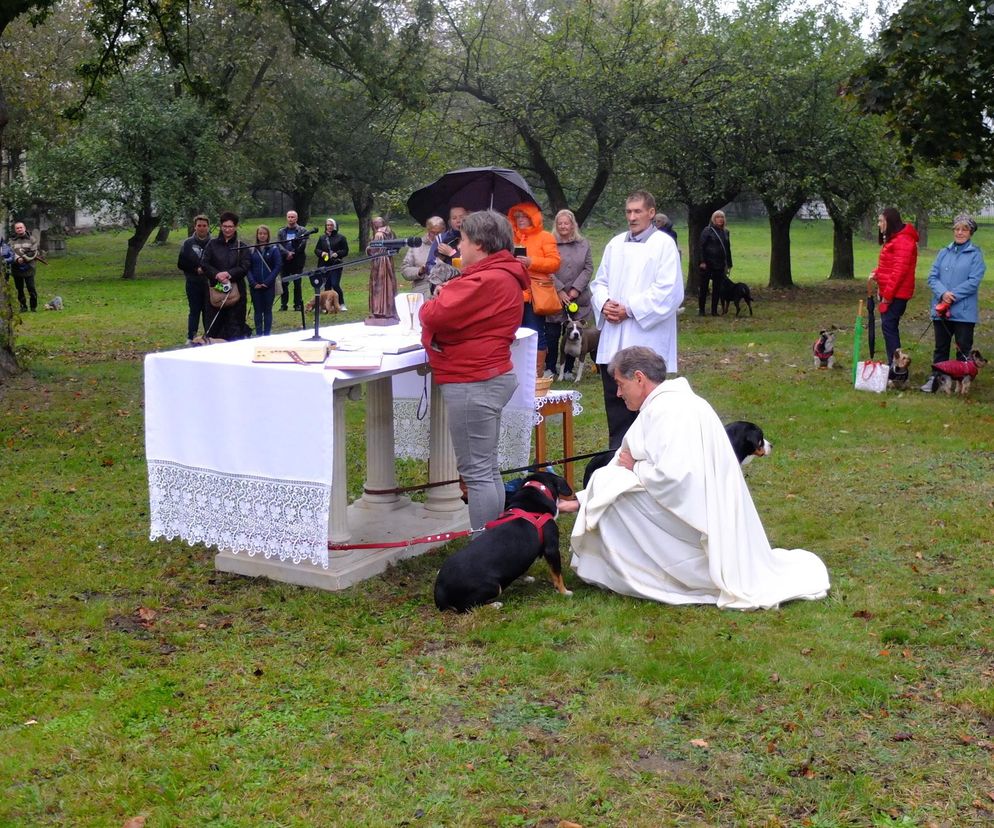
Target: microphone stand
{"points": [[316, 277]]}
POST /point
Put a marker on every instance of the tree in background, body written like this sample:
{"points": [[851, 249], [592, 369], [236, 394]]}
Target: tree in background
{"points": [[932, 74]]}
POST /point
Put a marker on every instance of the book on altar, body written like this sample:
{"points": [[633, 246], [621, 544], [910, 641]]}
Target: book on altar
{"points": [[302, 353], [353, 360]]}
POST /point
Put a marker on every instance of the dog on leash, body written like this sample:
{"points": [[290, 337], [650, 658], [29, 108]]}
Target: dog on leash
{"points": [[199, 341], [578, 339], [55, 304], [479, 572], [824, 349], [957, 375], [900, 370], [737, 292], [747, 441], [329, 302]]}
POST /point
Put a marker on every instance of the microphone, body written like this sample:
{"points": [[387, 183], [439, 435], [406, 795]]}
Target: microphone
{"points": [[393, 245]]}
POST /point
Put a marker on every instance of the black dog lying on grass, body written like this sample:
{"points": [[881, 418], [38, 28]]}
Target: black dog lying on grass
{"points": [[486, 566], [746, 438]]}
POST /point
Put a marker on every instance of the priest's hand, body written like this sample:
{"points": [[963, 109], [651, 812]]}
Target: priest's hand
{"points": [[625, 459], [614, 311], [568, 505]]}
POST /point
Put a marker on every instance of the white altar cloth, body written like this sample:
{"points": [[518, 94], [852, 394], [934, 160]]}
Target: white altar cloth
{"points": [[240, 454]]}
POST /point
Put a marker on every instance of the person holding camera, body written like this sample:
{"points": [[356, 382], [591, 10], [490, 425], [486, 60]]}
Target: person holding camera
{"points": [[955, 280]]}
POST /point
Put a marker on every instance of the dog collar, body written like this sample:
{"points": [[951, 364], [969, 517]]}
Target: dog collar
{"points": [[534, 484]]}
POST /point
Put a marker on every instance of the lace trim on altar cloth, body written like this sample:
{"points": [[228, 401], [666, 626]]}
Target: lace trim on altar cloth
{"points": [[283, 518]]}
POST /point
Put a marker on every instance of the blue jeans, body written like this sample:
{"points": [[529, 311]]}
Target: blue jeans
{"points": [[333, 281], [889, 321], [474, 410], [262, 304], [530, 319]]}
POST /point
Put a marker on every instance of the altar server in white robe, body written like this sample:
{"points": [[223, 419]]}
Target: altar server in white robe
{"points": [[670, 518], [635, 295]]}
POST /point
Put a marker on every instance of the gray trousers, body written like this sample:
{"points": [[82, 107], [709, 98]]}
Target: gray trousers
{"points": [[474, 410]]}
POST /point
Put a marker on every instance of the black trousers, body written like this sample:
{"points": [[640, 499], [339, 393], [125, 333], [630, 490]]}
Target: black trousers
{"points": [[714, 277], [296, 266], [619, 418], [945, 332], [25, 279]]}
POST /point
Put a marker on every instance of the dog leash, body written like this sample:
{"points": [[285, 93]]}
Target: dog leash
{"points": [[420, 486]]}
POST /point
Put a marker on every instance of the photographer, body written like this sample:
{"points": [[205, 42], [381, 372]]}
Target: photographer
{"points": [[955, 279]]}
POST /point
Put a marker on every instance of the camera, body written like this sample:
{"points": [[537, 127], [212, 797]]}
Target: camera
{"points": [[224, 287], [942, 309]]}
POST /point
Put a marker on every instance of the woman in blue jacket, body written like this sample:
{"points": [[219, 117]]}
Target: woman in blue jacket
{"points": [[955, 279], [266, 264]]}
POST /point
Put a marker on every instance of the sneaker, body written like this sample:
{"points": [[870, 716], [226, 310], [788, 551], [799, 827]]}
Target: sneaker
{"points": [[569, 376], [24, 308], [929, 386], [342, 309], [548, 374], [188, 342]]}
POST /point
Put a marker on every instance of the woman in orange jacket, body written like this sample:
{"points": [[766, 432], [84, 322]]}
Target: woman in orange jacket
{"points": [[541, 260], [894, 277]]}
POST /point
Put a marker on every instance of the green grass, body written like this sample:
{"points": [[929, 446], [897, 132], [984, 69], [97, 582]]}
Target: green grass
{"points": [[244, 702]]}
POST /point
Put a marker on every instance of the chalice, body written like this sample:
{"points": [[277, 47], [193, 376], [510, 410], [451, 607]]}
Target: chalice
{"points": [[412, 303]]}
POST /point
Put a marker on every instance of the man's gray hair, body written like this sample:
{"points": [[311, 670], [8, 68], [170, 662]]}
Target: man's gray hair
{"points": [[638, 358], [490, 230], [647, 199]]}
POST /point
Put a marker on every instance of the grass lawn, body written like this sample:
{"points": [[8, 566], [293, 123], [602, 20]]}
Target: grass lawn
{"points": [[136, 680]]}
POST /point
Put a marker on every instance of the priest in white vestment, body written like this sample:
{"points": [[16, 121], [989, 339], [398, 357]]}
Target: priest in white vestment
{"points": [[670, 518], [635, 294]]}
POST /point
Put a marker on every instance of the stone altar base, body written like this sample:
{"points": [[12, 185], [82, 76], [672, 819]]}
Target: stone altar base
{"points": [[368, 523]]}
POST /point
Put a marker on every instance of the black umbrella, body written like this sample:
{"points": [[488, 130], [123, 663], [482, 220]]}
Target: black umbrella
{"points": [[871, 324], [475, 188]]}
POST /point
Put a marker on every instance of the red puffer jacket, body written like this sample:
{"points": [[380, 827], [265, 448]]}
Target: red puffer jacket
{"points": [[468, 328], [896, 266]]}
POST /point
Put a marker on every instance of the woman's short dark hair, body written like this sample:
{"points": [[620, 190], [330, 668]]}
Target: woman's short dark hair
{"points": [[638, 358], [490, 230], [893, 223], [227, 215]]}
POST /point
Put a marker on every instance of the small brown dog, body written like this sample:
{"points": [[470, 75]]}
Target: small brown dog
{"points": [[900, 370], [329, 302], [824, 349], [199, 341]]}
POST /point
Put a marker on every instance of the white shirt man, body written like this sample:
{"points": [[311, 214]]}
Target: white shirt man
{"points": [[635, 294], [670, 518]]}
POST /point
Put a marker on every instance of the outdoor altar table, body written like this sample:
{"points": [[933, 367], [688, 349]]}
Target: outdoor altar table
{"points": [[250, 457]]}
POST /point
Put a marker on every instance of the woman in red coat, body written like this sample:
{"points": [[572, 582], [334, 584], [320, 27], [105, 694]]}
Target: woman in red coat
{"points": [[894, 278]]}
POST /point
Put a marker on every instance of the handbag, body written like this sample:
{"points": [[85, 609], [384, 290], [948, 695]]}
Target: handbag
{"points": [[220, 298], [545, 300], [872, 376], [278, 284]]}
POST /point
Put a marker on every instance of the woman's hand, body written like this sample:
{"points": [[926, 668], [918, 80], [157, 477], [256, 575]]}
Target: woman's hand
{"points": [[625, 459], [445, 250], [948, 297], [525, 260], [224, 277]]}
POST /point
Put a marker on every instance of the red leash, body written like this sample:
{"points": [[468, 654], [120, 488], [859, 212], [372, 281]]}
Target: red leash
{"points": [[443, 536]]}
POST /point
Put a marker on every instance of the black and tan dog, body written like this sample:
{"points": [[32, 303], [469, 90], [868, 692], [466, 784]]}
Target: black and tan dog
{"points": [[955, 376], [900, 370], [526, 531]]}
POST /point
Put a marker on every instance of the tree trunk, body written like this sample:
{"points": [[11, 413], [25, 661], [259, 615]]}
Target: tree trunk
{"points": [[8, 362], [843, 264], [143, 229], [362, 201], [921, 225], [302, 201], [163, 235], [780, 274]]}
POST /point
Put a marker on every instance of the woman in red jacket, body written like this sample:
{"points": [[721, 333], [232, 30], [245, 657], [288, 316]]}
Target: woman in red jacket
{"points": [[894, 278], [467, 330], [541, 260]]}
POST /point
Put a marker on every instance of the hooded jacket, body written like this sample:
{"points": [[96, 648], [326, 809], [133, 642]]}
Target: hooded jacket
{"points": [[540, 245], [959, 269], [468, 328], [895, 271]]}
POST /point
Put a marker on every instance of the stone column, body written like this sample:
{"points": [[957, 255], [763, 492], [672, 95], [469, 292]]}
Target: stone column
{"points": [[338, 522], [381, 471], [442, 459]]}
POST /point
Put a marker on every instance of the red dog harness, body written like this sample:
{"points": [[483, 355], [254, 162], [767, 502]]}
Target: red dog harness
{"points": [[538, 521], [957, 368]]}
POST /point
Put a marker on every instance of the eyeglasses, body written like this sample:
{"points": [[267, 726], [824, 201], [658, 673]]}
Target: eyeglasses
{"points": [[228, 226]]}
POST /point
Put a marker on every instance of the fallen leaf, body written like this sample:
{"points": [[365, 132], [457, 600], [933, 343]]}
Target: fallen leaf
{"points": [[862, 614], [135, 822], [146, 614], [565, 823], [807, 651], [31, 722], [775, 678], [903, 736], [701, 743]]}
